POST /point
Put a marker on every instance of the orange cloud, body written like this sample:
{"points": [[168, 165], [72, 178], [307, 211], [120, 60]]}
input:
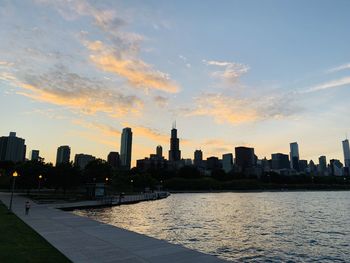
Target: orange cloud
{"points": [[231, 72], [105, 129], [73, 91], [137, 72], [225, 109], [150, 134], [236, 110]]}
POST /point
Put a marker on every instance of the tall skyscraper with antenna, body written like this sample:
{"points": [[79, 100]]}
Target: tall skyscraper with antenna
{"points": [[174, 152]]}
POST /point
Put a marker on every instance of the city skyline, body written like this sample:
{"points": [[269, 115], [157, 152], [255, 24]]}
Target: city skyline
{"points": [[75, 74], [243, 157]]}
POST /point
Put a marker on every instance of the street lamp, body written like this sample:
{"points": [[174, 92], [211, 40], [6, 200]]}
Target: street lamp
{"points": [[39, 183], [107, 179], [14, 175], [132, 185]]}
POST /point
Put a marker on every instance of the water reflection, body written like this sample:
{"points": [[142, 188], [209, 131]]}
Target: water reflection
{"points": [[269, 226]]}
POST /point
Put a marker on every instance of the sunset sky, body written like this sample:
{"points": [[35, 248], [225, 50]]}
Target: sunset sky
{"points": [[231, 73]]}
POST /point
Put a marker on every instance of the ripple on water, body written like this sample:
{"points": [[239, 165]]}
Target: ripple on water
{"points": [[249, 227]]}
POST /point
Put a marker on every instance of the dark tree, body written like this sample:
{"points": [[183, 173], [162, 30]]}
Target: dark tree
{"points": [[97, 171], [188, 172]]}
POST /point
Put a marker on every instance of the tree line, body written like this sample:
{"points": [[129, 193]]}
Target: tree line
{"points": [[36, 174]]}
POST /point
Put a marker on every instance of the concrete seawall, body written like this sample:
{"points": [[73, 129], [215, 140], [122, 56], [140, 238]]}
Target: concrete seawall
{"points": [[112, 201], [85, 240]]}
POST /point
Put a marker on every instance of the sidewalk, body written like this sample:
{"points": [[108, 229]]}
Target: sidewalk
{"points": [[85, 240]]}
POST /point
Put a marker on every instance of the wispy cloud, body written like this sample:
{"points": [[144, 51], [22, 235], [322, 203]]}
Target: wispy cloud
{"points": [[231, 71], [185, 60], [100, 127], [6, 64], [330, 85], [149, 133], [96, 138], [339, 68], [161, 101], [228, 109], [64, 88], [118, 53], [137, 72], [49, 113]]}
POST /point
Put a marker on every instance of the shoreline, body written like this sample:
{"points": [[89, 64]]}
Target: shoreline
{"points": [[255, 191], [82, 239]]}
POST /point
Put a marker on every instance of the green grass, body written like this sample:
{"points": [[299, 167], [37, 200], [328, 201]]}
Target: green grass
{"points": [[20, 243]]}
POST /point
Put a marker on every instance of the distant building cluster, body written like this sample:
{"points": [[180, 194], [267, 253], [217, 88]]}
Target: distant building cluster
{"points": [[244, 160], [13, 149]]}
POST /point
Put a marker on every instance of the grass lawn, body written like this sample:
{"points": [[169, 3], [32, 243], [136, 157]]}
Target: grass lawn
{"points": [[20, 243]]}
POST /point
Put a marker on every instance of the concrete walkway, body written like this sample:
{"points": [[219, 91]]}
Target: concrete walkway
{"points": [[85, 240]]}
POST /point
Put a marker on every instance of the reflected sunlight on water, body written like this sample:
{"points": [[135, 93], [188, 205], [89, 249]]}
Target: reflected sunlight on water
{"points": [[268, 226]]}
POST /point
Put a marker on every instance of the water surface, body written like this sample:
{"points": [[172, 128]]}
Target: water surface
{"points": [[249, 227]]}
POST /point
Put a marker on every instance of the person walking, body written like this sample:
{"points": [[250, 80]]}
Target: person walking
{"points": [[27, 207]]}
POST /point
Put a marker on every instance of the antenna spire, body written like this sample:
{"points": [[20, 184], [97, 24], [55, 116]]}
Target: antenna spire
{"points": [[174, 124]]}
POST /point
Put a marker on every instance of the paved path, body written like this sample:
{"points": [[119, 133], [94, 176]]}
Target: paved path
{"points": [[85, 240]]}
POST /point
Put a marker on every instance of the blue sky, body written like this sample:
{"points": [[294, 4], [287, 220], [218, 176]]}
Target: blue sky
{"points": [[255, 73]]}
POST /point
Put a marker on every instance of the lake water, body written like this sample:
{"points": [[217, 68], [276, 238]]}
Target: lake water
{"points": [[249, 227]]}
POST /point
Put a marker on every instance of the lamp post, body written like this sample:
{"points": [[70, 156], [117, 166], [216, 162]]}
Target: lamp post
{"points": [[39, 182], [14, 175], [132, 185]]}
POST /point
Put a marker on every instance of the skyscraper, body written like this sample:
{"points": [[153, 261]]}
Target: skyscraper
{"points": [[113, 159], [159, 151], [294, 156], [174, 152], [63, 154], [126, 148], [198, 158], [35, 155], [82, 160], [279, 161], [322, 160], [336, 167], [346, 151], [245, 157], [227, 162], [12, 148]]}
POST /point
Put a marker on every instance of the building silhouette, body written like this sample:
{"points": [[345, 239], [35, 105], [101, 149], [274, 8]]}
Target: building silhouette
{"points": [[294, 156], [63, 154], [159, 151], [213, 163], [279, 161], [336, 167], [312, 167], [81, 160], [34, 156], [174, 152], [346, 151], [198, 158], [245, 158], [113, 159], [154, 162], [322, 164], [227, 162], [126, 148], [12, 148], [303, 165]]}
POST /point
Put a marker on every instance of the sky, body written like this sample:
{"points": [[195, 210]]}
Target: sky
{"points": [[230, 73]]}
